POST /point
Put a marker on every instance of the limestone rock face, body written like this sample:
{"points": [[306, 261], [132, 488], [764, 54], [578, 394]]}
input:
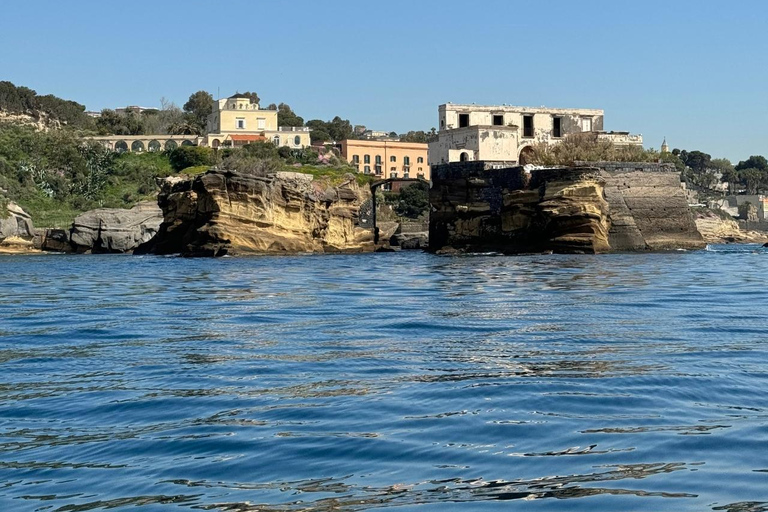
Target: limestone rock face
{"points": [[114, 230], [16, 229], [225, 212], [589, 209], [719, 230]]}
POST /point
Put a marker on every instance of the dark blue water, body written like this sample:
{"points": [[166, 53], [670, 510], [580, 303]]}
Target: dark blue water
{"points": [[406, 381]]}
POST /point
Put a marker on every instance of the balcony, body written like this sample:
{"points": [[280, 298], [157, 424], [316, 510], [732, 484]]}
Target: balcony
{"points": [[294, 128]]}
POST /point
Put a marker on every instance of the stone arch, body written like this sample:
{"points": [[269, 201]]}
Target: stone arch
{"points": [[137, 146], [215, 143], [525, 155], [121, 146], [170, 144], [464, 156], [187, 143], [153, 145]]}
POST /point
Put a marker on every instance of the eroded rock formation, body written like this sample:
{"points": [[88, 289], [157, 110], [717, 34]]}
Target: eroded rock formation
{"points": [[16, 229], [582, 209], [225, 212], [110, 230]]}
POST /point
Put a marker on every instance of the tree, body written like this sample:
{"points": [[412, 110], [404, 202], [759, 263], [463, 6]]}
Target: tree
{"points": [[253, 97], [753, 179], [198, 108], [698, 161], [730, 176], [319, 136], [753, 162], [190, 156], [287, 117]]}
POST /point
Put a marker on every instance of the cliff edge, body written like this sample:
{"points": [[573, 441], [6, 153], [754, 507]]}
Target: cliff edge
{"points": [[225, 212], [594, 208]]}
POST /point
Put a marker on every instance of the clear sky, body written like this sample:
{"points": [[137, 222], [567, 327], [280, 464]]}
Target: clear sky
{"points": [[693, 71]]}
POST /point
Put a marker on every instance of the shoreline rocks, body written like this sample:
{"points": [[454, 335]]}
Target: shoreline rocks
{"points": [[224, 212], [110, 230], [16, 230], [589, 209]]}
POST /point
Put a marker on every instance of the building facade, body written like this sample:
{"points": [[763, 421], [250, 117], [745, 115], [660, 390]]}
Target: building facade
{"points": [[237, 121], [500, 134], [388, 159]]}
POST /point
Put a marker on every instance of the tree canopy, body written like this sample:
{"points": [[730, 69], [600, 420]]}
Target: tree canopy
{"points": [[198, 108]]}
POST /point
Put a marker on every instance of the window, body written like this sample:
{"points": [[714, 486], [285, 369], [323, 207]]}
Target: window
{"points": [[406, 160], [355, 159], [240, 123], [420, 160], [378, 169], [420, 168], [393, 175], [420, 175], [463, 157], [297, 141], [367, 159], [498, 120], [378, 159], [367, 169], [406, 175], [557, 127], [442, 124], [393, 168], [260, 123], [586, 124], [393, 159], [276, 140], [463, 120], [527, 126]]}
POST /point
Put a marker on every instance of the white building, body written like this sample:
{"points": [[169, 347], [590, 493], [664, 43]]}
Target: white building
{"points": [[501, 133]]}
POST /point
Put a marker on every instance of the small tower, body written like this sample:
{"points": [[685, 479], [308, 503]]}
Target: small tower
{"points": [[664, 146]]}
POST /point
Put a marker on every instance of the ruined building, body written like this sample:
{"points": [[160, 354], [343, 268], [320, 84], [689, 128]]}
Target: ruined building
{"points": [[501, 135]]}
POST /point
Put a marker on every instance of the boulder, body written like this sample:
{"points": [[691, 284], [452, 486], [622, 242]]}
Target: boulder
{"points": [[16, 229], [114, 230], [226, 212], [53, 240]]}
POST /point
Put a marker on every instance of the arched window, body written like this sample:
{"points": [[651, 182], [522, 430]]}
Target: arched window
{"points": [[463, 157], [297, 141], [378, 159], [367, 159], [393, 158], [406, 160], [420, 160], [276, 140]]}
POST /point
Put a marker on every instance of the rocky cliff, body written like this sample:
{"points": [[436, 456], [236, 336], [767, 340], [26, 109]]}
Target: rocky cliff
{"points": [[719, 229], [16, 229], [225, 212], [584, 209], [114, 230]]}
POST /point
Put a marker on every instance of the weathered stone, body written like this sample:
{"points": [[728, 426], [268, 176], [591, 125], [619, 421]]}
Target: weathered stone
{"points": [[115, 230], [224, 212], [54, 240], [16, 230], [580, 209]]}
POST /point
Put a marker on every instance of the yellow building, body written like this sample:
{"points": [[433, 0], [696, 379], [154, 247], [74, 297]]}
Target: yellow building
{"points": [[237, 121], [387, 159]]}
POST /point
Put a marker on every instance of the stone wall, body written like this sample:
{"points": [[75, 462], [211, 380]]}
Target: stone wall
{"points": [[591, 209]]}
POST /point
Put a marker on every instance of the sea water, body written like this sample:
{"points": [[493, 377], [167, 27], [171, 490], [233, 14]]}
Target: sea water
{"points": [[405, 380]]}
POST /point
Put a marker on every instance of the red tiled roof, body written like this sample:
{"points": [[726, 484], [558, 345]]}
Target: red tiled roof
{"points": [[247, 138]]}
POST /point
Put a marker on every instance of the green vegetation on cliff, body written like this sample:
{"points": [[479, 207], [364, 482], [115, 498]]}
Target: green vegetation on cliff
{"points": [[23, 100], [54, 175]]}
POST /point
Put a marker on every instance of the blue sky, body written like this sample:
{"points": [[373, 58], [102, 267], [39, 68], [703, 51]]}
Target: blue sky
{"points": [[693, 71]]}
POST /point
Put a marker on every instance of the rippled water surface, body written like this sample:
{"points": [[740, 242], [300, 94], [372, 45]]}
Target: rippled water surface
{"points": [[406, 381]]}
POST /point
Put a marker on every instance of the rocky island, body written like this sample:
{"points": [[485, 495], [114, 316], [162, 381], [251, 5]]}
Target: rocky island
{"points": [[595, 208], [226, 212]]}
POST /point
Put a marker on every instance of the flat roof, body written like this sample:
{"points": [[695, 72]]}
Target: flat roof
{"points": [[513, 108]]}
